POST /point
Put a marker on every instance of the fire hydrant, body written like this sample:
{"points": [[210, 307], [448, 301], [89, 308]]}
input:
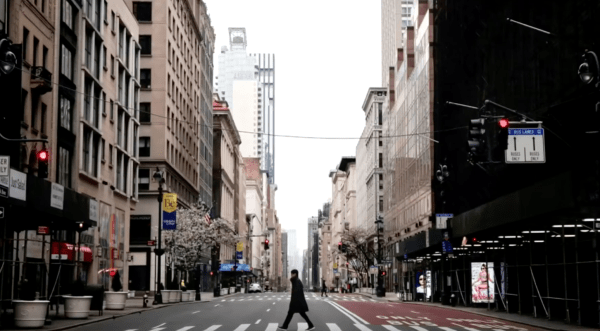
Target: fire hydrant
{"points": [[146, 299]]}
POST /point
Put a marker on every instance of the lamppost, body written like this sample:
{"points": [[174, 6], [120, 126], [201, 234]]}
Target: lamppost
{"points": [[158, 176], [587, 75], [380, 289]]}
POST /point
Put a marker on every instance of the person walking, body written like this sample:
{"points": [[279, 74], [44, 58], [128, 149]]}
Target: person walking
{"points": [[297, 303], [323, 288]]}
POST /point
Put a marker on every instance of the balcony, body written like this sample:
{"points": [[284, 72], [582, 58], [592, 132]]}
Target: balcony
{"points": [[41, 80]]}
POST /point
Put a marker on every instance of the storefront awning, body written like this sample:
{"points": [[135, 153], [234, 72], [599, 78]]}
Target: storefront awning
{"points": [[66, 251], [229, 267]]}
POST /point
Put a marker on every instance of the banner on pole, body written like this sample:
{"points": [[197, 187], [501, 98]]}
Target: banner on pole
{"points": [[169, 221]]}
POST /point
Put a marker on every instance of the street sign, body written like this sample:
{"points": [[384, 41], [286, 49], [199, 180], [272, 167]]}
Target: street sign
{"points": [[406, 256], [1, 212], [44, 230], [526, 145], [335, 265], [4, 165], [240, 247], [3, 192], [151, 242], [376, 239], [441, 220], [386, 261], [447, 246], [239, 255]]}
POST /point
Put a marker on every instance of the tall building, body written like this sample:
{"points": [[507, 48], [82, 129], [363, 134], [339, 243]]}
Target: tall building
{"points": [[285, 256], [65, 93], [312, 254], [247, 83], [176, 70], [370, 156], [293, 261]]}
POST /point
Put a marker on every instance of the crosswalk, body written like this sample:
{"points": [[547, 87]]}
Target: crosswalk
{"points": [[331, 297], [327, 326]]}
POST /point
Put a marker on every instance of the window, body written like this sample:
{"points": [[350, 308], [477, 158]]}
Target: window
{"points": [[34, 104], [380, 113], [104, 61], [113, 20], [110, 154], [380, 160], [380, 205], [66, 66], [380, 181], [45, 57], [67, 14], [111, 110], [145, 78], [144, 146], [105, 12], [64, 167], [36, 45], [145, 110], [43, 118], [88, 50], [146, 44], [112, 66], [142, 11], [65, 111], [25, 42]]}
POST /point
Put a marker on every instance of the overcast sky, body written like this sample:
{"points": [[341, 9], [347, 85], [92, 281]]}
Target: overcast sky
{"points": [[328, 53]]}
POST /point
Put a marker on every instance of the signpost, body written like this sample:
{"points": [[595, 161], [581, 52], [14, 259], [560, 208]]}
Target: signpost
{"points": [[526, 145], [43, 230], [151, 242], [441, 220]]}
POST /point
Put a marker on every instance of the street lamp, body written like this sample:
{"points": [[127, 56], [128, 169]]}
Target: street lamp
{"points": [[158, 176], [380, 289], [587, 75]]}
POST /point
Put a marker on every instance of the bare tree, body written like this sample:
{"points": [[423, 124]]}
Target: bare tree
{"points": [[358, 252]]}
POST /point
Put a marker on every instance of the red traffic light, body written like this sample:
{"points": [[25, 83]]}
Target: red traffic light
{"points": [[383, 273], [503, 122], [43, 155], [340, 243], [266, 241], [474, 239], [212, 273]]}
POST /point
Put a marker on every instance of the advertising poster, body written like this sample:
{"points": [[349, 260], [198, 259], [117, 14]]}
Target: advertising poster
{"points": [[503, 283], [169, 221], [424, 284], [482, 282]]}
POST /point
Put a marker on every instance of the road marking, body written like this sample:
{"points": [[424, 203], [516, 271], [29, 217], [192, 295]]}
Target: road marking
{"points": [[223, 300], [195, 312], [271, 327], [302, 326], [217, 305], [185, 328], [213, 328], [416, 312], [362, 327], [257, 322], [466, 328], [131, 330], [418, 328], [333, 327], [446, 328], [389, 327], [343, 312], [349, 312], [268, 309], [158, 326], [273, 302], [242, 327]]}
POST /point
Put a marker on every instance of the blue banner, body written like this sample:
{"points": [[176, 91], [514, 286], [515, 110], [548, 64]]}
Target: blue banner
{"points": [[239, 255], [169, 215], [229, 267]]}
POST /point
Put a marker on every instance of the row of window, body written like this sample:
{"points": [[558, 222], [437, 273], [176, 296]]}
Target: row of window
{"points": [[35, 56]]}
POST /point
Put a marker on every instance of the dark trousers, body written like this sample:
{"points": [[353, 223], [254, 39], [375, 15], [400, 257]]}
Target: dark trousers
{"points": [[324, 291], [289, 316]]}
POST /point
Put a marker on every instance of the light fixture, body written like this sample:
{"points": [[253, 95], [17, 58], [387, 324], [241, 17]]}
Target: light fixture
{"points": [[567, 225], [536, 231], [585, 74], [591, 219]]}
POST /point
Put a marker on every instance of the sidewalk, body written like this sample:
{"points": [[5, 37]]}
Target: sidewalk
{"points": [[512, 317], [132, 306]]}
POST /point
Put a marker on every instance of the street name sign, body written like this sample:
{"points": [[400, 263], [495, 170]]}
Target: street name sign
{"points": [[4, 175], [4, 165], [526, 145]]}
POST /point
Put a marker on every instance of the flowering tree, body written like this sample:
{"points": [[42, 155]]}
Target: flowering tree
{"points": [[359, 253], [194, 234]]}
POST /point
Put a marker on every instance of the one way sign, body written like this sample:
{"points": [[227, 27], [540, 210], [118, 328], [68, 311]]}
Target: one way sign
{"points": [[526, 145]]}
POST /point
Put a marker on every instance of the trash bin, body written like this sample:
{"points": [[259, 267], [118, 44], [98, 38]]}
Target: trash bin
{"points": [[217, 291], [97, 294], [453, 300]]}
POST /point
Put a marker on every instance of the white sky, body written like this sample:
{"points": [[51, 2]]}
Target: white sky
{"points": [[327, 53]]}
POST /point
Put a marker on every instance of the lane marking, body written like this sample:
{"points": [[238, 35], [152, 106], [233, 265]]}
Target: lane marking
{"points": [[242, 327], [466, 328], [362, 327], [195, 312], [223, 300], [217, 305], [351, 313], [185, 328], [333, 327], [302, 326], [343, 312], [213, 328], [391, 328], [158, 326], [418, 328], [273, 302], [271, 327], [268, 309], [257, 322], [446, 328], [416, 312]]}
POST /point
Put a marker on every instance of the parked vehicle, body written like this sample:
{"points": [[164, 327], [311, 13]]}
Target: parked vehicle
{"points": [[255, 287]]}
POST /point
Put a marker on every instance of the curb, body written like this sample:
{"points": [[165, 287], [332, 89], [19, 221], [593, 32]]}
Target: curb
{"points": [[507, 318]]}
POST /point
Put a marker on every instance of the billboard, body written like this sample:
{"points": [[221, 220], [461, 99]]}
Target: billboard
{"points": [[423, 283], [482, 282]]}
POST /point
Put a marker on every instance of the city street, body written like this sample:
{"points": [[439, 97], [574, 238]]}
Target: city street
{"points": [[265, 311]]}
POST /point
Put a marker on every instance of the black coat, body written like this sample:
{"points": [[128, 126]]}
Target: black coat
{"points": [[297, 302]]}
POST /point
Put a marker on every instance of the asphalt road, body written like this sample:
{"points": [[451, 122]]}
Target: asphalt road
{"points": [[265, 311]]}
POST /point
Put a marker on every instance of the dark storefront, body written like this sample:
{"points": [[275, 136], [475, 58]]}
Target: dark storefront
{"points": [[531, 226]]}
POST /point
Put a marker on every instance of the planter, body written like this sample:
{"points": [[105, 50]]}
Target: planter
{"points": [[166, 295], [77, 306], [115, 300], [175, 296], [30, 314], [186, 296]]}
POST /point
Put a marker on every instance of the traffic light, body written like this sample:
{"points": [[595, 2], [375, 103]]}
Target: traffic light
{"points": [[340, 246], [266, 243], [347, 264], [477, 141], [212, 273], [344, 247], [383, 273], [503, 123], [42, 158]]}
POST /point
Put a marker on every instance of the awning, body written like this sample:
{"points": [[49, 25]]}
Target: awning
{"points": [[66, 251], [229, 267]]}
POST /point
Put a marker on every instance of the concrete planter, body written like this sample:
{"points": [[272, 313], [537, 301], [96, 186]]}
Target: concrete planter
{"points": [[186, 296], [30, 314], [115, 300], [77, 306], [166, 295], [177, 296]]}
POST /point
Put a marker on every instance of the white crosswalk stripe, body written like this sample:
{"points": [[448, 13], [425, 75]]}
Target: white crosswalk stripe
{"points": [[362, 327], [333, 327], [391, 328], [185, 328], [242, 327], [213, 328], [418, 328], [446, 328], [302, 326], [272, 327]]}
